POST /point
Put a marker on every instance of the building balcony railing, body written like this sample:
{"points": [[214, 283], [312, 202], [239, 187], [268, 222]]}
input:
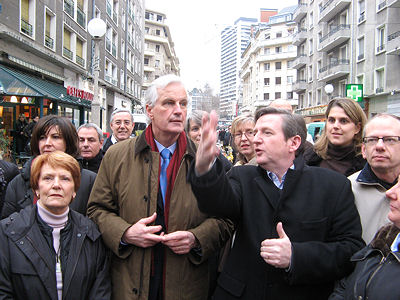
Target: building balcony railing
{"points": [[360, 56], [68, 53], [49, 42], [382, 5], [331, 8], [361, 17], [108, 45], [393, 3], [276, 56], [69, 7], [114, 50], [114, 81], [300, 37], [393, 43], [379, 90], [300, 85], [108, 9], [81, 17], [337, 68], [80, 61], [300, 12], [380, 48], [300, 61], [26, 28], [337, 36], [108, 78]]}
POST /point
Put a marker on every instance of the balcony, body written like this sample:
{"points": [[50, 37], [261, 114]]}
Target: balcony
{"points": [[275, 41], [360, 57], [380, 48], [337, 36], [300, 12], [361, 18], [49, 42], [299, 86], [394, 3], [26, 28], [337, 68], [108, 78], [379, 90], [68, 53], [276, 56], [80, 61], [382, 5], [332, 8], [300, 37], [80, 17], [300, 61], [393, 44], [69, 8]]}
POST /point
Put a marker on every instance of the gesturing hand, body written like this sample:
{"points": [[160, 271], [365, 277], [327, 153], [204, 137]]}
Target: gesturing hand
{"points": [[207, 150], [180, 242], [139, 234], [277, 252]]}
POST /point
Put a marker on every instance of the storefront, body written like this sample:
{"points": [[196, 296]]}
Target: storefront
{"points": [[32, 96], [313, 114]]}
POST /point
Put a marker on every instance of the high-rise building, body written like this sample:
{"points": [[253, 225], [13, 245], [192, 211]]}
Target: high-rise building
{"points": [[234, 40], [342, 42], [266, 71], [159, 53]]}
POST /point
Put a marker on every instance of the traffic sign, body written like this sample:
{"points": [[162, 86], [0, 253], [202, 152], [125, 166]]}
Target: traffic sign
{"points": [[355, 91]]}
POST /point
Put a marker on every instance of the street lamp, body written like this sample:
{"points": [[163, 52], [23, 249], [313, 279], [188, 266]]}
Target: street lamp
{"points": [[329, 90], [97, 29]]}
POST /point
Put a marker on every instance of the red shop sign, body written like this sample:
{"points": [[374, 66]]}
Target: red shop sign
{"points": [[79, 93]]}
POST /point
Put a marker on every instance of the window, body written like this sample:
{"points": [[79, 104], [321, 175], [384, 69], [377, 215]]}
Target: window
{"points": [[278, 65], [157, 48], [361, 11], [278, 34], [267, 36], [266, 51], [289, 95], [266, 81], [147, 30], [146, 61], [266, 96], [27, 17], [50, 29], [80, 13], [122, 49], [278, 80], [310, 46], [310, 73], [380, 38], [309, 100], [266, 66], [158, 32], [360, 79], [157, 63], [79, 57], [379, 81], [69, 6], [319, 96], [277, 95], [311, 19], [67, 45], [278, 49], [290, 79], [159, 18], [122, 80], [360, 48]]}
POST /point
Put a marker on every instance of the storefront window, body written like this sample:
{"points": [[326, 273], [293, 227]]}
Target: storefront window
{"points": [[69, 113], [76, 118]]}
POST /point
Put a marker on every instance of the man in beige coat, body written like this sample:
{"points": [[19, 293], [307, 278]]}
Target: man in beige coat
{"points": [[381, 149], [159, 238]]}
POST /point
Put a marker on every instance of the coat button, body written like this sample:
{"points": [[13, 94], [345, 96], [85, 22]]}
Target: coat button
{"points": [[79, 235], [21, 242], [12, 232], [135, 291]]}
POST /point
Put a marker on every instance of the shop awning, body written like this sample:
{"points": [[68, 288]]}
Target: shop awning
{"points": [[20, 84]]}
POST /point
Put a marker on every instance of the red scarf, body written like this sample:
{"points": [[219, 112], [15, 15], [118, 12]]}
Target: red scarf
{"points": [[173, 166]]}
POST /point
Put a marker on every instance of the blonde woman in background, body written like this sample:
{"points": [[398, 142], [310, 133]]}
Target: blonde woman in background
{"points": [[243, 134]]}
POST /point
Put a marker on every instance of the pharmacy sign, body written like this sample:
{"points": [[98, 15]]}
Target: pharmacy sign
{"points": [[355, 91]]}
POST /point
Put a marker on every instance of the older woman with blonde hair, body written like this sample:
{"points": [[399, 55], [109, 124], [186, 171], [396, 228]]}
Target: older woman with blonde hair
{"points": [[242, 131], [339, 147], [49, 251]]}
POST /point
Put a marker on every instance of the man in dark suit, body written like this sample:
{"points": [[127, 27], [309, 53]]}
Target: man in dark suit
{"points": [[297, 226]]}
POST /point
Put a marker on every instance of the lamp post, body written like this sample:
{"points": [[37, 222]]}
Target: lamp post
{"points": [[97, 29], [329, 90]]}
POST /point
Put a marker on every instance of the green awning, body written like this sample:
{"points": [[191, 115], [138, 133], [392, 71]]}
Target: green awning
{"points": [[20, 84]]}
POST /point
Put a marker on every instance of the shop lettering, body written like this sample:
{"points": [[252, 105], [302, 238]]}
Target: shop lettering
{"points": [[311, 111], [79, 93]]}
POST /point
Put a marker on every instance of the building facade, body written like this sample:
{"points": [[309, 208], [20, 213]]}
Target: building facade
{"points": [[47, 58], [159, 53], [266, 70], [341, 42], [234, 40]]}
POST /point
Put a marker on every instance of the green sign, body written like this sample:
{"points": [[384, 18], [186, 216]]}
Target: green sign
{"points": [[355, 91]]}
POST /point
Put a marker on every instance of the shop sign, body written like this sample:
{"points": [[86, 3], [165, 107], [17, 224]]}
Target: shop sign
{"points": [[71, 91], [312, 111]]}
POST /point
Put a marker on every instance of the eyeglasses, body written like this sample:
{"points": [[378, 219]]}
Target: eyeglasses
{"points": [[387, 140], [247, 134]]}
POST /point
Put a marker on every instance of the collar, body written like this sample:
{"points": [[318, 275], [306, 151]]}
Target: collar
{"points": [[161, 147], [275, 179], [395, 244], [113, 139], [368, 176]]}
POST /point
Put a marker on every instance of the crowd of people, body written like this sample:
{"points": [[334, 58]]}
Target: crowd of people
{"points": [[166, 215]]}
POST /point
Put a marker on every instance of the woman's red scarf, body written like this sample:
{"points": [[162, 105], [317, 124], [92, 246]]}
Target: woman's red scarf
{"points": [[173, 166]]}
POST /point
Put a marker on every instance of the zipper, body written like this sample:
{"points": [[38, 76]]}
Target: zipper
{"points": [[376, 270]]}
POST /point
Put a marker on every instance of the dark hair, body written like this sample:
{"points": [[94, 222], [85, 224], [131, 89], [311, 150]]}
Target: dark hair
{"points": [[292, 124], [65, 128]]}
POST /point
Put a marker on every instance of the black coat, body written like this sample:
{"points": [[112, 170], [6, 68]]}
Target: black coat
{"points": [[28, 264], [317, 210], [94, 163], [19, 192], [376, 275], [7, 172], [107, 144]]}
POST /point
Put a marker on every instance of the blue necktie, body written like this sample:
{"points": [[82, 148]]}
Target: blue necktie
{"points": [[166, 155]]}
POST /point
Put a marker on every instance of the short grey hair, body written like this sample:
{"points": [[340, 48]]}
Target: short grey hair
{"points": [[196, 116], [160, 83], [92, 125], [379, 116], [120, 110]]}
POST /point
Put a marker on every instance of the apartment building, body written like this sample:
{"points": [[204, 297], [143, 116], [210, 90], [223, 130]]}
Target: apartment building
{"points": [[159, 53], [46, 66], [341, 42], [266, 69], [234, 40]]}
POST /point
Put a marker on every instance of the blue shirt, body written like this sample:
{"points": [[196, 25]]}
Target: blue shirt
{"points": [[161, 148], [395, 244], [275, 179]]}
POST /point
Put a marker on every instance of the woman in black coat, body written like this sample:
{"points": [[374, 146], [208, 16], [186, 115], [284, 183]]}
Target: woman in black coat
{"points": [[20, 139], [377, 271], [7, 172], [50, 134], [48, 251]]}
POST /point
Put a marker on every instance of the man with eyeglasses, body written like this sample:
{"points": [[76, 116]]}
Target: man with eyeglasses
{"points": [[121, 125], [381, 149]]}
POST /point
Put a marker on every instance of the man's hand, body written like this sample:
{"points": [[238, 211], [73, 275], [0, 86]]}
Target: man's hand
{"points": [[180, 242], [207, 150], [141, 235], [277, 252]]}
